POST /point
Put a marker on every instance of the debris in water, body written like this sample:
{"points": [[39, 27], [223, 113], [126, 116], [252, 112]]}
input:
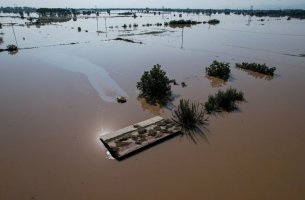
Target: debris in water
{"points": [[126, 40], [121, 99]]}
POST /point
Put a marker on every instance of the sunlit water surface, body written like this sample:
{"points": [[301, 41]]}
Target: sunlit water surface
{"points": [[57, 99]]}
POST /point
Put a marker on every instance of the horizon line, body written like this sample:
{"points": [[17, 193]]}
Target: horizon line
{"points": [[154, 8]]}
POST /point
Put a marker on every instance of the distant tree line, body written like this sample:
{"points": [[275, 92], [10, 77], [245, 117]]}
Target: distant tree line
{"points": [[293, 13], [17, 9], [279, 13], [59, 12]]}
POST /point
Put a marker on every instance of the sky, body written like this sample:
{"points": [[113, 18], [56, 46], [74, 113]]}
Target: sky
{"points": [[259, 4]]}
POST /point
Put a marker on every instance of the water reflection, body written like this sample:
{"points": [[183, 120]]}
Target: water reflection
{"points": [[182, 41], [216, 82], [45, 20], [99, 79], [257, 75], [154, 109], [197, 134], [13, 52]]}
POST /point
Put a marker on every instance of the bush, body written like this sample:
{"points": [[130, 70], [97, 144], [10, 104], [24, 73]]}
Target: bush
{"points": [[155, 86], [218, 69], [79, 29], [259, 68], [189, 115], [182, 23], [223, 101], [12, 47], [213, 21]]}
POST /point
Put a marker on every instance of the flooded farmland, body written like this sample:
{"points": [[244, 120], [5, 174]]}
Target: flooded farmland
{"points": [[58, 96]]}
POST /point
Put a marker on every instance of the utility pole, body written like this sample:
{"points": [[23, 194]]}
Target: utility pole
{"points": [[105, 18], [96, 20], [250, 15], [14, 33], [182, 38]]}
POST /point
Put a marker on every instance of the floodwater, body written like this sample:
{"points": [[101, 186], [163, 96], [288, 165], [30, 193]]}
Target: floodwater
{"points": [[56, 100]]}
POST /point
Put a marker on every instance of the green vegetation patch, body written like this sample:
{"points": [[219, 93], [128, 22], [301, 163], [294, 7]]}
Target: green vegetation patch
{"points": [[12, 48], [224, 101], [259, 68], [182, 23], [213, 21], [219, 69], [189, 115], [155, 86]]}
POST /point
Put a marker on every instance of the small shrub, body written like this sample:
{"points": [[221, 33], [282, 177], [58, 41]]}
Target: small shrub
{"points": [[79, 29], [152, 132], [142, 130], [121, 143], [155, 86], [12, 47], [219, 69], [157, 128], [223, 101], [259, 68], [213, 21], [189, 115], [168, 126]]}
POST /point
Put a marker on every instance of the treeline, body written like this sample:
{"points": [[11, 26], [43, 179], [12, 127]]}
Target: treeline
{"points": [[278, 13], [59, 12], [293, 13], [17, 10]]}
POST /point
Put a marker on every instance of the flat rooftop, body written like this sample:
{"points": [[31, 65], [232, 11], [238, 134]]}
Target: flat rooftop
{"points": [[138, 137]]}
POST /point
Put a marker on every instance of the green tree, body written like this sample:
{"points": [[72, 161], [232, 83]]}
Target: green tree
{"points": [[155, 86], [219, 69]]}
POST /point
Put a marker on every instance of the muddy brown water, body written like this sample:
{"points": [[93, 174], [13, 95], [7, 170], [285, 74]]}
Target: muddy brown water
{"points": [[55, 102]]}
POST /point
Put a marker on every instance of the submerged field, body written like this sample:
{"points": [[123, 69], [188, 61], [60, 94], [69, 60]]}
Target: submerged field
{"points": [[58, 95]]}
